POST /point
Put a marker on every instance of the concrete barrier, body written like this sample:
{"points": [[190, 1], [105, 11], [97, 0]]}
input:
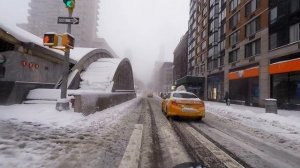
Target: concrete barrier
{"points": [[88, 103]]}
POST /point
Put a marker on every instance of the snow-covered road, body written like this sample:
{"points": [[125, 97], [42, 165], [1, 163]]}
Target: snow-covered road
{"points": [[39, 136]]}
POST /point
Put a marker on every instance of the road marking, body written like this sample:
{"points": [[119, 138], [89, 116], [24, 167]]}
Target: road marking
{"points": [[221, 155], [131, 156], [177, 152]]}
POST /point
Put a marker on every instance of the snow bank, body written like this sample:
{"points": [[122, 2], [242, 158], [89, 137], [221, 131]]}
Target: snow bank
{"points": [[285, 123], [47, 115]]}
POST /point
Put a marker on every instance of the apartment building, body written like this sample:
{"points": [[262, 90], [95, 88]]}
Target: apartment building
{"points": [[180, 58], [216, 49], [252, 50], [247, 51], [284, 53], [192, 30]]}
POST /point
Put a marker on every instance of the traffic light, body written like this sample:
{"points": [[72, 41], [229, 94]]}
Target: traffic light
{"points": [[68, 40], [50, 39], [70, 4]]}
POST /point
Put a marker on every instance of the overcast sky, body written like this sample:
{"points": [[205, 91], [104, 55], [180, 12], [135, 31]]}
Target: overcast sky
{"points": [[144, 30]]}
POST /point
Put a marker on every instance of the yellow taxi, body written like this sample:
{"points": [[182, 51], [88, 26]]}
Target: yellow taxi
{"points": [[183, 104]]}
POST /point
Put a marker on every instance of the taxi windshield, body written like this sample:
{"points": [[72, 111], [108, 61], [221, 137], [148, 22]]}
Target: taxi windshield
{"points": [[184, 95]]}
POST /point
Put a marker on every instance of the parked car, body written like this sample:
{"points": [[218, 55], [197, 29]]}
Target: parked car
{"points": [[183, 104]]}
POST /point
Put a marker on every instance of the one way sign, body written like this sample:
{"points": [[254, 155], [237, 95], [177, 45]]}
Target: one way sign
{"points": [[68, 20]]}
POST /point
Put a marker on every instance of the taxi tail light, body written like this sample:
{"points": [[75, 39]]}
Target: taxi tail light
{"points": [[199, 103], [174, 103]]}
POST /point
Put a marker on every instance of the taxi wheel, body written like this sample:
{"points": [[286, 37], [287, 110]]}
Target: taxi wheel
{"points": [[200, 119], [166, 114]]}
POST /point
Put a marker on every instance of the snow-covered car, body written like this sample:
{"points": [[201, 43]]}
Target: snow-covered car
{"points": [[183, 104]]}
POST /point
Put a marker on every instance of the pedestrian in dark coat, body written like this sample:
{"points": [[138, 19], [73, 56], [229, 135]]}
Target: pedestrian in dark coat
{"points": [[227, 99]]}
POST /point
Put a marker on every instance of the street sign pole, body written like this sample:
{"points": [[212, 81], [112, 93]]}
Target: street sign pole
{"points": [[63, 104]]}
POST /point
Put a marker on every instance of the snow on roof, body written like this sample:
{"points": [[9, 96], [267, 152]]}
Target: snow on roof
{"points": [[23, 35], [99, 75], [78, 53]]}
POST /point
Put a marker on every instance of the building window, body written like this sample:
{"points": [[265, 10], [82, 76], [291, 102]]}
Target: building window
{"points": [[222, 61], [273, 15], [211, 2], [252, 48], [234, 38], [253, 27], [234, 4], [294, 33], [233, 56], [204, 34], [233, 21], [209, 64], [273, 41], [222, 45], [202, 68], [204, 11], [212, 13], [294, 5], [223, 15], [215, 63], [210, 52], [211, 39], [203, 45], [251, 7], [204, 22]]}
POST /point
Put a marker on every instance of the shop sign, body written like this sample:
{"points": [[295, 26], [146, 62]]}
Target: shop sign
{"points": [[30, 65]]}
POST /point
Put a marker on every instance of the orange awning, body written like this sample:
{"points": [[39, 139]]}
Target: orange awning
{"points": [[285, 66], [246, 73]]}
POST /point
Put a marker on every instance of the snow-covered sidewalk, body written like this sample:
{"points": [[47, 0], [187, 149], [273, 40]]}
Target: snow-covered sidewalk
{"points": [[286, 123], [37, 135]]}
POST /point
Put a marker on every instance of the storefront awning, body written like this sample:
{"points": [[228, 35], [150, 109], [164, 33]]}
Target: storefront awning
{"points": [[285, 66], [246, 73]]}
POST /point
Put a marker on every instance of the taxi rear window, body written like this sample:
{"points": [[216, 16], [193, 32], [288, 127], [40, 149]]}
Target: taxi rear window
{"points": [[184, 95]]}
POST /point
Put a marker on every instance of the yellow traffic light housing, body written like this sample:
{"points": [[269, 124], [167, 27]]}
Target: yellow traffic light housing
{"points": [[62, 42], [68, 40], [50, 39]]}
